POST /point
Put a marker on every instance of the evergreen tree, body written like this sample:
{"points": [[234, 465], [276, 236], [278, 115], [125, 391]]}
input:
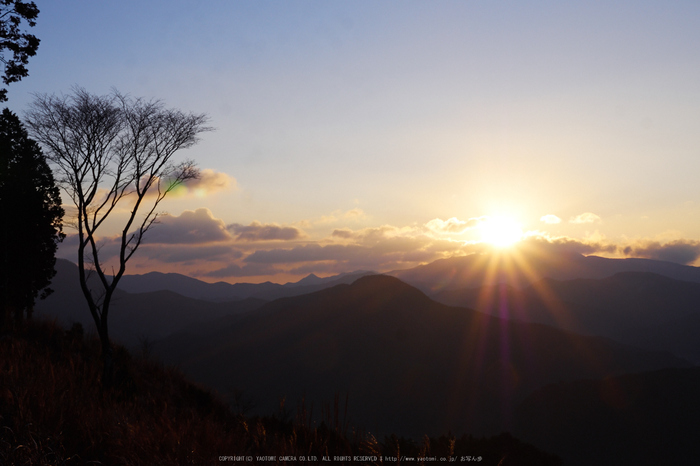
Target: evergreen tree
{"points": [[30, 220], [16, 45]]}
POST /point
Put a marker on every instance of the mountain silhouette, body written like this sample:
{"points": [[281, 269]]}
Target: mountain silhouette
{"points": [[222, 291], [407, 363], [528, 264], [134, 317], [639, 308]]}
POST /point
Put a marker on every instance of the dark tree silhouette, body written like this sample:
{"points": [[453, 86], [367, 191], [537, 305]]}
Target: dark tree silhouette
{"points": [[16, 46], [31, 213], [112, 151]]}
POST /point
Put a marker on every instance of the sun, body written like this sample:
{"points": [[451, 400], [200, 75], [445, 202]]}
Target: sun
{"points": [[500, 231]]}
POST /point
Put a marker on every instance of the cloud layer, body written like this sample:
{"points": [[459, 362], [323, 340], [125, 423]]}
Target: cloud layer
{"points": [[199, 244], [679, 251], [190, 227], [256, 231]]}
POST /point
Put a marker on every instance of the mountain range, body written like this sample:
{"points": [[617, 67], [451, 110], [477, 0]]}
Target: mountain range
{"points": [[151, 306], [135, 318], [407, 363], [529, 264], [491, 343], [222, 291]]}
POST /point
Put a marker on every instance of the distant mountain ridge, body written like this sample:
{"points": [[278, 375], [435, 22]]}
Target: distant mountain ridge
{"points": [[222, 291], [594, 311], [154, 305], [135, 317], [518, 270], [523, 268]]}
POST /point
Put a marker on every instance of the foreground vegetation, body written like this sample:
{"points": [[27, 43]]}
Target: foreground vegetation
{"points": [[53, 411]]}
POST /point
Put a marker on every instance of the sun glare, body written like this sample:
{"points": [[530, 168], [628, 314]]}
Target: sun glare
{"points": [[500, 231]]}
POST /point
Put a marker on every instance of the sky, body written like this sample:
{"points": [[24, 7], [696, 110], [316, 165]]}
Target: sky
{"points": [[379, 135]]}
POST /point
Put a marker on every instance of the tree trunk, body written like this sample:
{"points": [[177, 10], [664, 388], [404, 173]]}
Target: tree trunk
{"points": [[107, 363]]}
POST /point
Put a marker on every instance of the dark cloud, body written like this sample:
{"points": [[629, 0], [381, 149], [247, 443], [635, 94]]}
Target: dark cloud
{"points": [[196, 227], [344, 233], [321, 268], [680, 251], [248, 270], [108, 248], [564, 246], [187, 253], [306, 253], [392, 252], [264, 232]]}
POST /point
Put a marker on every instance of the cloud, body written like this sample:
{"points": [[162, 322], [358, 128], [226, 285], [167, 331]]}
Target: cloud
{"points": [[381, 249], [198, 244], [182, 253], [190, 227], [565, 246], [257, 231], [209, 182], [586, 217], [248, 270], [108, 248], [354, 214], [550, 219], [306, 253], [372, 236], [680, 251], [453, 225], [344, 233]]}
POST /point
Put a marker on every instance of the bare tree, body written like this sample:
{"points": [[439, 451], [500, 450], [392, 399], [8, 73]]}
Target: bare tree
{"points": [[112, 151]]}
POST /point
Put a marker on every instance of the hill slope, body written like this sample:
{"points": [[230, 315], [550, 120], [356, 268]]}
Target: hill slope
{"points": [[640, 419], [638, 308], [409, 364], [54, 412]]}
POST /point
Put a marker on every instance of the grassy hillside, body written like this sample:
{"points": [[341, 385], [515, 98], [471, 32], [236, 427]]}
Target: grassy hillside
{"points": [[53, 411]]}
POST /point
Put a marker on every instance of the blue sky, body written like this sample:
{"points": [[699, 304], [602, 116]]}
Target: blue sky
{"points": [[382, 116]]}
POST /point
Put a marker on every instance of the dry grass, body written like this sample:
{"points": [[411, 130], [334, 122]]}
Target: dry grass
{"points": [[54, 412]]}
